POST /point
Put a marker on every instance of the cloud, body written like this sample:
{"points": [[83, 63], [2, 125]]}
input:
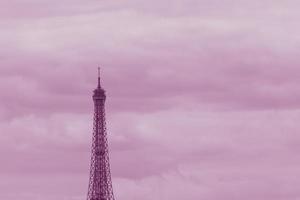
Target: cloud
{"points": [[211, 61]]}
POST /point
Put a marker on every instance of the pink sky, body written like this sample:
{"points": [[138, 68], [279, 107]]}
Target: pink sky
{"points": [[203, 98]]}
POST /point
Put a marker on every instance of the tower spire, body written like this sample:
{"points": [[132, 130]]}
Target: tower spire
{"points": [[99, 86]]}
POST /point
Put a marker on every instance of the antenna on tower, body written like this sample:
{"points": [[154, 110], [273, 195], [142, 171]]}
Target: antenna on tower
{"points": [[99, 77]]}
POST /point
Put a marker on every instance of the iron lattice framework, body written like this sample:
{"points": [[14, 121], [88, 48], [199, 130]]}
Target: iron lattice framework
{"points": [[100, 185]]}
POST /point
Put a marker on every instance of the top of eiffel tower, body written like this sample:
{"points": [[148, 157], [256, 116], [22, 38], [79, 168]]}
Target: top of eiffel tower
{"points": [[99, 92], [99, 84]]}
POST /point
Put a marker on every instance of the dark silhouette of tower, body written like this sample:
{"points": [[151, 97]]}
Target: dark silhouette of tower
{"points": [[100, 185]]}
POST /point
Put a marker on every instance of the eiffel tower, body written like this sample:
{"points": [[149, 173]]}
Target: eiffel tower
{"points": [[100, 185]]}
